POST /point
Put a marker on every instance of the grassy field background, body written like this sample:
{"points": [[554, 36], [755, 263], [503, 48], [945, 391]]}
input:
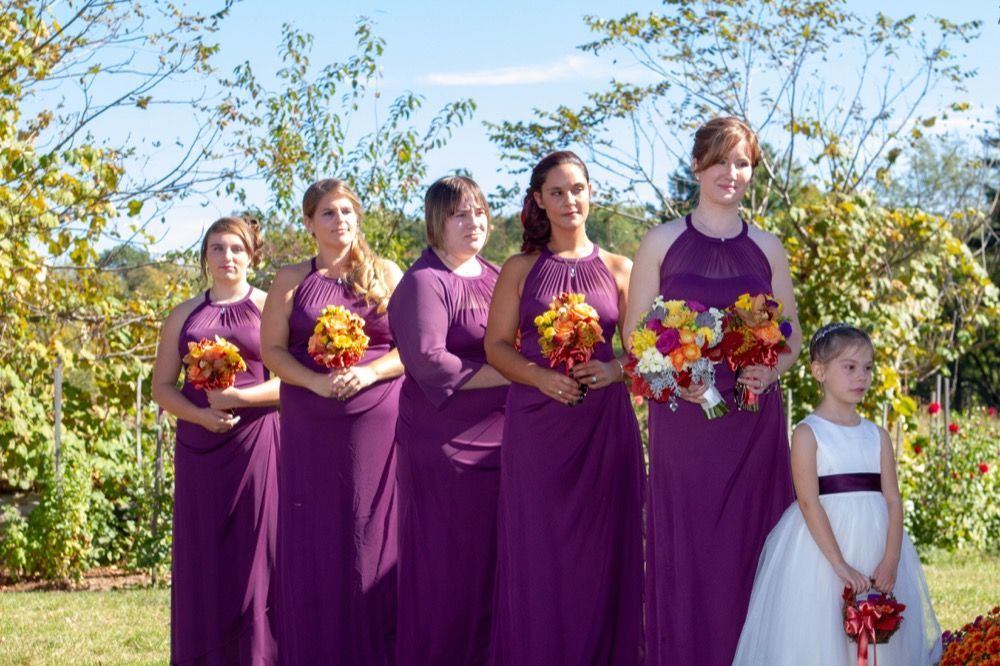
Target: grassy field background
{"points": [[131, 626]]}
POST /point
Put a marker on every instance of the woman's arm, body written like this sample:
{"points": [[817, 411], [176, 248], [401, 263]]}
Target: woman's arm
{"points": [[806, 480], [264, 394], [349, 381], [885, 573], [781, 287], [420, 321], [597, 374], [274, 334], [501, 331], [167, 368]]}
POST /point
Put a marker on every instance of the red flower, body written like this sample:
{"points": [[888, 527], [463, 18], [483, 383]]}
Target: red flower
{"points": [[983, 468], [953, 428], [991, 411], [934, 408], [954, 475], [918, 449]]}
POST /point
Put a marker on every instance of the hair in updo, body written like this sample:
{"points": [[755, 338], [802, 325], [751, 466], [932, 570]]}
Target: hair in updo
{"points": [[537, 228], [365, 273], [246, 227], [714, 140], [831, 340]]}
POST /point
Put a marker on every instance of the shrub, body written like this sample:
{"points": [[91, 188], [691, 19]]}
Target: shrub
{"points": [[950, 493]]}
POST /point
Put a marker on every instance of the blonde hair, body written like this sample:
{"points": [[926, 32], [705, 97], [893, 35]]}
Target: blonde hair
{"points": [[718, 136], [365, 272], [443, 198], [246, 227]]}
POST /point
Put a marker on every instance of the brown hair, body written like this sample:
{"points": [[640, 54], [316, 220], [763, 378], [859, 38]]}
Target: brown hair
{"points": [[442, 200], [537, 228], [831, 340], [714, 140], [365, 273], [246, 227]]}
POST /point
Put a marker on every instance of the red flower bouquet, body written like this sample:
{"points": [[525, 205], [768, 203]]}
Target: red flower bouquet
{"points": [[755, 334], [569, 331], [338, 340], [213, 364], [874, 619]]}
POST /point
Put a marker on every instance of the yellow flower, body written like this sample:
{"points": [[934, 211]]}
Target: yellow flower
{"points": [[641, 340]]}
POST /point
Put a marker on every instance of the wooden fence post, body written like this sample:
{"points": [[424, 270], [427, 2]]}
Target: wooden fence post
{"points": [[58, 381], [138, 421]]}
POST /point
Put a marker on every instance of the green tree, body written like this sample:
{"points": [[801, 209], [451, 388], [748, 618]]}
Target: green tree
{"points": [[64, 191], [306, 129]]}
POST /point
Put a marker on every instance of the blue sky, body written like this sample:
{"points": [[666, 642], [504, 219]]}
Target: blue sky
{"points": [[510, 57]]}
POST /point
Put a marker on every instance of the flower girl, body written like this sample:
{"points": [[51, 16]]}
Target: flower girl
{"points": [[845, 530]]}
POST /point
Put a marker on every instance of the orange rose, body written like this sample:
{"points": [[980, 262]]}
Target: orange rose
{"points": [[678, 358], [769, 333], [692, 352]]}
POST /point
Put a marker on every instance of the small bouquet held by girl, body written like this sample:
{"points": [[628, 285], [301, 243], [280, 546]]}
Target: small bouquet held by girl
{"points": [[568, 332], [755, 334], [676, 345], [338, 340], [873, 619], [213, 364]]}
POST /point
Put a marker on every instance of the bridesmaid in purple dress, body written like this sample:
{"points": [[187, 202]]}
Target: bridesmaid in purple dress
{"points": [[225, 467], [336, 562], [569, 578], [716, 487], [451, 410]]}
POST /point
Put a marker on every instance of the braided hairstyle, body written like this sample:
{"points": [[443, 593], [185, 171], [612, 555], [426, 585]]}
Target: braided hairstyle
{"points": [[537, 228]]}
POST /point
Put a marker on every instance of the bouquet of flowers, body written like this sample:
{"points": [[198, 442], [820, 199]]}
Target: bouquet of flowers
{"points": [[338, 340], [569, 331], [874, 620], [755, 333], [676, 345], [213, 364]]}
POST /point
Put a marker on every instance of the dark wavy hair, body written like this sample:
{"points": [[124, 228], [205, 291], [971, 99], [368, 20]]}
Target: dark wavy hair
{"points": [[537, 229]]}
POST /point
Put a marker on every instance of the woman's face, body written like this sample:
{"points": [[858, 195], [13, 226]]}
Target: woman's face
{"points": [[726, 181], [227, 257], [335, 222], [565, 196], [465, 230]]}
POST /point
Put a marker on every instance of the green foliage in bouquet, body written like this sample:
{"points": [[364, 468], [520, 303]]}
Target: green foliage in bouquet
{"points": [[950, 493]]}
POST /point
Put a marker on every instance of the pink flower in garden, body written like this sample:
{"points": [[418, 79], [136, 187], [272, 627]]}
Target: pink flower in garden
{"points": [[991, 411], [953, 428], [934, 408], [983, 468], [918, 449]]}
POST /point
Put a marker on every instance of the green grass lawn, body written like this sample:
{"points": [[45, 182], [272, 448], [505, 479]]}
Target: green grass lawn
{"points": [[131, 626]]}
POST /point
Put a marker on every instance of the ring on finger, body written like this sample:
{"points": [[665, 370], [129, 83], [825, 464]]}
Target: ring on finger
{"points": [[593, 380], [559, 392]]}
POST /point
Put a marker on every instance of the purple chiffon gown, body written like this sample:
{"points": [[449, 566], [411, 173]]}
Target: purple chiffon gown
{"points": [[448, 447], [225, 512], [569, 579], [716, 487], [337, 519]]}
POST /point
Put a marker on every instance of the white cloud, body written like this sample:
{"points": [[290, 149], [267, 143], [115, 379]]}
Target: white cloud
{"points": [[568, 68]]}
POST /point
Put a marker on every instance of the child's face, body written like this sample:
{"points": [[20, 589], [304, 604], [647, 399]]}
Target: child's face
{"points": [[848, 375]]}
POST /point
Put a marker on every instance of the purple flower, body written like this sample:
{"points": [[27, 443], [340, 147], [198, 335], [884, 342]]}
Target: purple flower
{"points": [[786, 328], [655, 325], [668, 341], [695, 306]]}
